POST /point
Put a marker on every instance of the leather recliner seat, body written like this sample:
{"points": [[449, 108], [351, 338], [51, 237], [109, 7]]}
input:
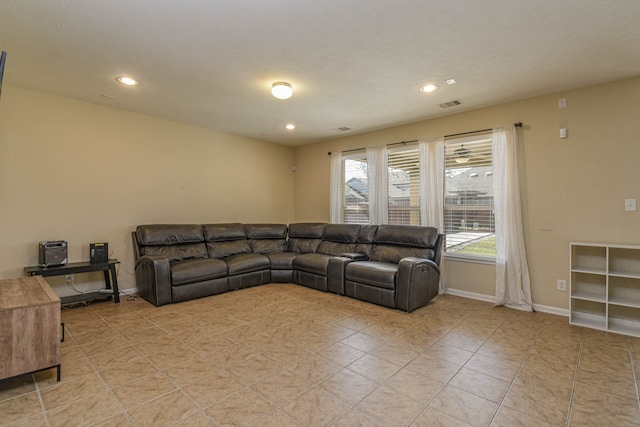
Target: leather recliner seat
{"points": [[400, 260]]}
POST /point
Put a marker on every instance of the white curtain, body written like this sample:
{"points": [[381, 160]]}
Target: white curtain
{"points": [[513, 287], [432, 189], [377, 176], [337, 187]]}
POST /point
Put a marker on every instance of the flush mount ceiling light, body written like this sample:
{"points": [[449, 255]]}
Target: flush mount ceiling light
{"points": [[126, 80], [462, 155], [428, 88], [281, 90], [290, 126]]}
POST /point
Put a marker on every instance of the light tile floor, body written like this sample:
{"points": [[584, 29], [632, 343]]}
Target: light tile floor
{"points": [[285, 355]]}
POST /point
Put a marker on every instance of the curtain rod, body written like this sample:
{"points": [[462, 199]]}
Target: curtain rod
{"points": [[518, 125]]}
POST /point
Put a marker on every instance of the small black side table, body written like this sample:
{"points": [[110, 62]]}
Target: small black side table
{"points": [[110, 277]]}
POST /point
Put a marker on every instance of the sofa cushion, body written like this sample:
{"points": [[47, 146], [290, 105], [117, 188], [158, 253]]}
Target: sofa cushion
{"points": [[282, 260], [406, 235], [267, 238], [177, 252], [367, 233], [223, 232], [335, 249], [303, 246], [307, 230], [266, 231], [224, 240], [393, 254], [225, 249], [268, 246], [341, 233], [374, 273], [246, 263], [365, 239], [394, 242], [338, 239], [312, 263], [169, 234], [197, 270], [305, 237]]}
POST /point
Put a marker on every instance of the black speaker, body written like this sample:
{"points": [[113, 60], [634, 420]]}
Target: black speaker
{"points": [[52, 253], [98, 253]]}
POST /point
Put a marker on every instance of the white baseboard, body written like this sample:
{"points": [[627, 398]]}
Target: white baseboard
{"points": [[551, 310], [490, 298], [129, 291]]}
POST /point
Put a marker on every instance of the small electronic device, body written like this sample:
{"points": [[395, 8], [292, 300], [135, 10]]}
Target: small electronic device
{"points": [[98, 253], [52, 253]]}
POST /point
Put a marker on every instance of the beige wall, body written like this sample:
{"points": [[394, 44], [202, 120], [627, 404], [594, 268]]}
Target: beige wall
{"points": [[84, 173], [76, 171], [573, 189]]}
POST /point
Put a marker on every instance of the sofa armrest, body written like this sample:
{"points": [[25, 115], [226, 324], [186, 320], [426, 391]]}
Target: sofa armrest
{"points": [[355, 256], [417, 282], [335, 272], [153, 279]]}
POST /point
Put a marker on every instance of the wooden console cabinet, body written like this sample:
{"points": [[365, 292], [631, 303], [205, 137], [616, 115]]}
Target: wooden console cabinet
{"points": [[29, 327]]}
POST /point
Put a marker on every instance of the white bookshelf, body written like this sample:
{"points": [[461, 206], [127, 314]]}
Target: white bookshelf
{"points": [[604, 287]]}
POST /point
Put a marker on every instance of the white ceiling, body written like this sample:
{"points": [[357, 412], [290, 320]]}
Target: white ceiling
{"points": [[352, 63]]}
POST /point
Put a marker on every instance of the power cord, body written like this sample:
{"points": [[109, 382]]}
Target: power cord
{"points": [[71, 284]]}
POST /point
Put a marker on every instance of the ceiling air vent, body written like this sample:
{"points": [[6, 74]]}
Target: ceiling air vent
{"points": [[451, 103], [343, 129]]}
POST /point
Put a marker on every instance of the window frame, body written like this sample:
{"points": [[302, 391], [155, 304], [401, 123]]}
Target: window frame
{"points": [[413, 210], [450, 145], [361, 157]]}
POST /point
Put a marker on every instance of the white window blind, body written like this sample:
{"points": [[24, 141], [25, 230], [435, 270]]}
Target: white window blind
{"points": [[355, 208], [468, 205], [404, 185]]}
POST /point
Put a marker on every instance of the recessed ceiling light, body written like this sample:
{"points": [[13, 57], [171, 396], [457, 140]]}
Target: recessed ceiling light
{"points": [[281, 90], [126, 80], [450, 81], [290, 126], [428, 88]]}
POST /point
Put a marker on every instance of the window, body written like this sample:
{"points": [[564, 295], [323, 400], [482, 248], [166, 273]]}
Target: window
{"points": [[404, 186], [469, 219], [355, 200]]}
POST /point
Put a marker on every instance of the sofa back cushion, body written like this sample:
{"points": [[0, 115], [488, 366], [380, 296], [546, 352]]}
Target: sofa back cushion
{"points": [[394, 242], [224, 240], [267, 238], [364, 243], [338, 239], [305, 237], [176, 242]]}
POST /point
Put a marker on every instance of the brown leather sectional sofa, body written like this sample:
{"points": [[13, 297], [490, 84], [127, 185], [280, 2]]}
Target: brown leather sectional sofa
{"points": [[394, 266]]}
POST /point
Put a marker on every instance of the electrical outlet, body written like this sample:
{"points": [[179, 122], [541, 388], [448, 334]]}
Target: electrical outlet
{"points": [[561, 285], [69, 278]]}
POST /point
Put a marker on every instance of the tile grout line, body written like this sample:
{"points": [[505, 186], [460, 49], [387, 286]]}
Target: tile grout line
{"points": [[633, 370], [533, 340], [454, 375], [381, 333], [44, 409], [575, 376], [104, 383]]}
